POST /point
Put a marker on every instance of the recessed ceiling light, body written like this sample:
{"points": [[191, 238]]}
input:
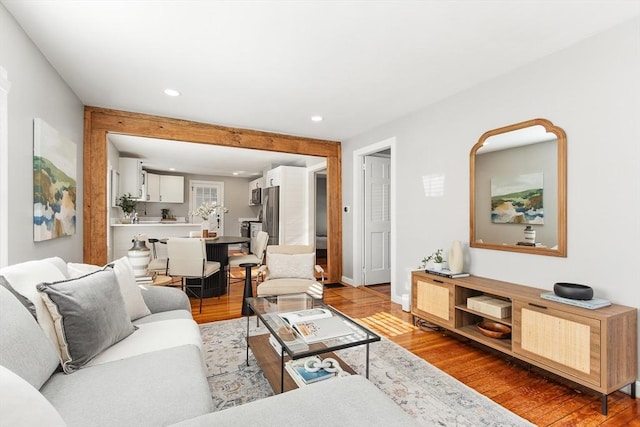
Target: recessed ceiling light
{"points": [[171, 92], [317, 118], [172, 169]]}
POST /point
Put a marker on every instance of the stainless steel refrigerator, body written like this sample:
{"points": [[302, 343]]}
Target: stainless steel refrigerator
{"points": [[271, 213]]}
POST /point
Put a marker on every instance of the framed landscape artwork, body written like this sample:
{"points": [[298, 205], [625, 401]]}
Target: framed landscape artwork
{"points": [[517, 199], [54, 183]]}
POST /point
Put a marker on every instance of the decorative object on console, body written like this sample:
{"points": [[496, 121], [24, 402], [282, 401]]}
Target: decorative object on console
{"points": [[529, 235], [494, 329], [456, 258], [436, 258], [591, 304], [491, 306], [573, 291], [139, 256]]}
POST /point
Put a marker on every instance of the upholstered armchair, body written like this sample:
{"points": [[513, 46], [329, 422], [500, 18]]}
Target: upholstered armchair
{"points": [[290, 269]]}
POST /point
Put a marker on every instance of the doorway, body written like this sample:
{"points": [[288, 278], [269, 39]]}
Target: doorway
{"points": [[384, 149], [376, 267]]}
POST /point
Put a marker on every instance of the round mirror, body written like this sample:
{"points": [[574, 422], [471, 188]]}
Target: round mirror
{"points": [[518, 189]]}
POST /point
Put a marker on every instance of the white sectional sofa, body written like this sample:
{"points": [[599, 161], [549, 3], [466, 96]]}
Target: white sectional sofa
{"points": [[97, 350]]}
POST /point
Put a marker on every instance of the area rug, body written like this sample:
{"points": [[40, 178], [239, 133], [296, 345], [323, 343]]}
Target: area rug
{"points": [[431, 396]]}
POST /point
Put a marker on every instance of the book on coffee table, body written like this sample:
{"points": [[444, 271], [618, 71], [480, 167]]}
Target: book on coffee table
{"points": [[316, 324], [302, 377]]}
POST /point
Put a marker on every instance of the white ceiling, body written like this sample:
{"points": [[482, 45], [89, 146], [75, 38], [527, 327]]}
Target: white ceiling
{"points": [[271, 65]]}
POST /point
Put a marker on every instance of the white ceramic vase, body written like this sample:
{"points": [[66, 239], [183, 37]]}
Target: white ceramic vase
{"points": [[456, 258], [139, 256]]}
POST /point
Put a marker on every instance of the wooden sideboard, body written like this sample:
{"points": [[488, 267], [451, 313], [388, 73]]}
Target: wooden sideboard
{"points": [[595, 348]]}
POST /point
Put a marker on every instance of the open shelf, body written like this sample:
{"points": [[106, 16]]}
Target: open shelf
{"points": [[506, 321], [470, 331]]}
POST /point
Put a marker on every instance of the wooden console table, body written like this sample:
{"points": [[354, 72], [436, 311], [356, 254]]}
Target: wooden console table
{"points": [[595, 348]]}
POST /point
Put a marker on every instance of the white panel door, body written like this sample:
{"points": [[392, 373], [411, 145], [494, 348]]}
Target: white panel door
{"points": [[377, 222]]}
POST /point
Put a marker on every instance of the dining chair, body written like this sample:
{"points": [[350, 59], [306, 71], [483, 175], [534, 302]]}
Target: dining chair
{"points": [[188, 260], [156, 265], [255, 257]]}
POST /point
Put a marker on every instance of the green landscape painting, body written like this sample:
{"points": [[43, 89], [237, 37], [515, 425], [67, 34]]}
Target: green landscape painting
{"points": [[54, 183], [517, 199]]}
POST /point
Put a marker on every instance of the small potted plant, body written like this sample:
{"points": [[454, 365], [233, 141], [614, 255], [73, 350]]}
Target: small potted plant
{"points": [[128, 205], [437, 259]]}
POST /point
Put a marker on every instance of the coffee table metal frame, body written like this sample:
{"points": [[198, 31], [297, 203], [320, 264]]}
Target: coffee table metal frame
{"points": [[260, 305]]}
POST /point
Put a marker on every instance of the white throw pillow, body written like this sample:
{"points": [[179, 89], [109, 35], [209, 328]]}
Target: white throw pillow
{"points": [[129, 289], [21, 405], [291, 266]]}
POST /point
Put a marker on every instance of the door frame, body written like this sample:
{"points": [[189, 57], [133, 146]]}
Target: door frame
{"points": [[358, 210], [100, 121]]}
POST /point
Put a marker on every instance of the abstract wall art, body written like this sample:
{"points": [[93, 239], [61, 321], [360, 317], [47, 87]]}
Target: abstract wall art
{"points": [[54, 183], [517, 199]]}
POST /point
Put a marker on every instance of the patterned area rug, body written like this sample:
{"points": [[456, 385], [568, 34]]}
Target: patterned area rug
{"points": [[422, 390]]}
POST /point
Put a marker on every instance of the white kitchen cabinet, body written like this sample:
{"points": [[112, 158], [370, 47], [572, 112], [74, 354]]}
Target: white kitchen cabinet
{"points": [[255, 185], [152, 186], [273, 177], [131, 179], [171, 189]]}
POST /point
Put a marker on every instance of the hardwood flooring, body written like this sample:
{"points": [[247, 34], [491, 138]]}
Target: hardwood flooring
{"points": [[529, 392]]}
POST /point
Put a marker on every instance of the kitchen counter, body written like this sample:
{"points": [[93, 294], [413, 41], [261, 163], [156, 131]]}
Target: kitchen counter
{"points": [[157, 224], [123, 235]]}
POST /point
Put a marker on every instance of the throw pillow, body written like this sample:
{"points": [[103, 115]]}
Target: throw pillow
{"points": [[291, 266], [23, 300], [129, 289], [89, 315]]}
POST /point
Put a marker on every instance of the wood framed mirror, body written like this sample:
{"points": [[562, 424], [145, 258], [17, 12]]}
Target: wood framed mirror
{"points": [[518, 177]]}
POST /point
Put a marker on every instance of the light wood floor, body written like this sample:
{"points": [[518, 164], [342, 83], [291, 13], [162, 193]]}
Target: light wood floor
{"points": [[528, 392]]}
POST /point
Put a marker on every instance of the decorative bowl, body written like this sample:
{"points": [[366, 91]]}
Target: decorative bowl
{"points": [[494, 329], [573, 291]]}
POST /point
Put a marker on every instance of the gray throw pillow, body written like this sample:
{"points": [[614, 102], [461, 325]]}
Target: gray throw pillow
{"points": [[89, 316], [23, 300]]}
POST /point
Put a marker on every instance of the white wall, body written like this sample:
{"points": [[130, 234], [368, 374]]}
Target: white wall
{"points": [[37, 91], [592, 91]]}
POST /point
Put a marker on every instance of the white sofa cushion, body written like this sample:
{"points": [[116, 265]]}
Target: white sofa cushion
{"points": [[21, 405], [89, 316], [129, 289], [151, 337]]}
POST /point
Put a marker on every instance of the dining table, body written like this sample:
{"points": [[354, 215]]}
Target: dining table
{"points": [[218, 250]]}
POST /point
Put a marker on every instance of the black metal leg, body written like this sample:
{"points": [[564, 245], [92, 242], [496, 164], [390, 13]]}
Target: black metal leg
{"points": [[604, 404], [282, 371], [247, 340], [633, 390], [248, 289], [367, 370]]}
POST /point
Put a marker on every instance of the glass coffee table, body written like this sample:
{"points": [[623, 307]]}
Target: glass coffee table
{"points": [[286, 343]]}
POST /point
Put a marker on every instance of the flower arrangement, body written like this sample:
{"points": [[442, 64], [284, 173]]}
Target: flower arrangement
{"points": [[205, 210]]}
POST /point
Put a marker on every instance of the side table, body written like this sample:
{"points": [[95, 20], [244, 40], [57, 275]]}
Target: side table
{"points": [[248, 289]]}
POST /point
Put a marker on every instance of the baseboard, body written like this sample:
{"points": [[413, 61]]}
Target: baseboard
{"points": [[347, 281]]}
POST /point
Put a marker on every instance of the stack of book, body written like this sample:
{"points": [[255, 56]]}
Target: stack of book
{"points": [[445, 272], [302, 377], [144, 280]]}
